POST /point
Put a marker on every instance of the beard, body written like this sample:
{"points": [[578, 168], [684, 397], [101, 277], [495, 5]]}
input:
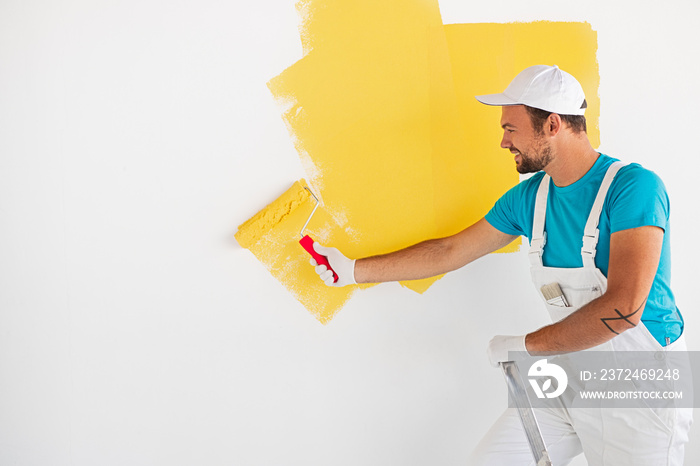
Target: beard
{"points": [[534, 160]]}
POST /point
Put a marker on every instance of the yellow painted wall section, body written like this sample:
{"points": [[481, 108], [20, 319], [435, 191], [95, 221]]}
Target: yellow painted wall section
{"points": [[381, 110], [359, 109]]}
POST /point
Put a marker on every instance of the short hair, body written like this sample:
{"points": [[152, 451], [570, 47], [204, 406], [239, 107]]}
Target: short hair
{"points": [[577, 123]]}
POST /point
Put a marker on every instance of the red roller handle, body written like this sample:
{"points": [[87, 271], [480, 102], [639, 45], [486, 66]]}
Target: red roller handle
{"points": [[308, 244]]}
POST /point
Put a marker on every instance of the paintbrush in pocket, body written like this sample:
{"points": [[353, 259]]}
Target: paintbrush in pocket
{"points": [[554, 295]]}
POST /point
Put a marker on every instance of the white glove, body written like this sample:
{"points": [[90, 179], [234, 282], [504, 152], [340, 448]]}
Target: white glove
{"points": [[500, 345], [341, 265]]}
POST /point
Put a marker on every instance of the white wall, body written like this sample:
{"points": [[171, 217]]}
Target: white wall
{"points": [[136, 135]]}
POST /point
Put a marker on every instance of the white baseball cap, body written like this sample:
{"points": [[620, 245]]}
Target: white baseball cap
{"points": [[545, 87]]}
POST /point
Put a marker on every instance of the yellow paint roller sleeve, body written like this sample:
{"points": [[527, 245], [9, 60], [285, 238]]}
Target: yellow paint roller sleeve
{"points": [[272, 235], [251, 231]]}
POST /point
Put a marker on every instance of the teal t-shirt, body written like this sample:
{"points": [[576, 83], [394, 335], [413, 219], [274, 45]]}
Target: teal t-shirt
{"points": [[637, 197]]}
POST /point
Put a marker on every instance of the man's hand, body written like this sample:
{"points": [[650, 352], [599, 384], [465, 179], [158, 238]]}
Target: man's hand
{"points": [[500, 345], [341, 265]]}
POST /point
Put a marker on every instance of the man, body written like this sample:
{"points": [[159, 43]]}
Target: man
{"points": [[604, 257]]}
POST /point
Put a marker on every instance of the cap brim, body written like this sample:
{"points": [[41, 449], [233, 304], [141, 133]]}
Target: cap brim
{"points": [[496, 99]]}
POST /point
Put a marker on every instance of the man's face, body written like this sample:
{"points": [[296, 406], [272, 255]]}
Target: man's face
{"points": [[531, 150]]}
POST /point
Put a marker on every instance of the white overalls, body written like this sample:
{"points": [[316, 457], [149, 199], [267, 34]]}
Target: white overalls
{"points": [[607, 436]]}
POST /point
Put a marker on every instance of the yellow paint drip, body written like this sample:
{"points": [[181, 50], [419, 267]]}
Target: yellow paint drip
{"points": [[382, 112]]}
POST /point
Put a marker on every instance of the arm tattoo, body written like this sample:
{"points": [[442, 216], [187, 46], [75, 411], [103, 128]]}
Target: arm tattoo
{"points": [[622, 317]]}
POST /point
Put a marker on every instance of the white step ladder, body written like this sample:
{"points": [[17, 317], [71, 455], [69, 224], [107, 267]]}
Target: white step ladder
{"points": [[516, 387]]}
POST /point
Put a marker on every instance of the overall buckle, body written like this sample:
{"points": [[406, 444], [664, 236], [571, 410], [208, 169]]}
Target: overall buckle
{"points": [[590, 243]]}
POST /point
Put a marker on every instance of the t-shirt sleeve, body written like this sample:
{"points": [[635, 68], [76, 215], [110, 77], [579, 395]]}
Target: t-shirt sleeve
{"points": [[506, 214], [638, 198]]}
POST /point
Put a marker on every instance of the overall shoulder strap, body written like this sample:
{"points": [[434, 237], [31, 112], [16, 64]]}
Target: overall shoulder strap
{"points": [[590, 232], [539, 237]]}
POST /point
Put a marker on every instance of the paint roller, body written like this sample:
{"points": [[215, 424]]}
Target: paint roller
{"points": [[308, 244], [251, 231]]}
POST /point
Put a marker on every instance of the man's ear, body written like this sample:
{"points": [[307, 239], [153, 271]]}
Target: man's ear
{"points": [[553, 124]]}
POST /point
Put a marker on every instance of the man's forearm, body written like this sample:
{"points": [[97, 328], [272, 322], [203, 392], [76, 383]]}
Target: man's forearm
{"points": [[594, 324], [432, 257], [421, 260]]}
